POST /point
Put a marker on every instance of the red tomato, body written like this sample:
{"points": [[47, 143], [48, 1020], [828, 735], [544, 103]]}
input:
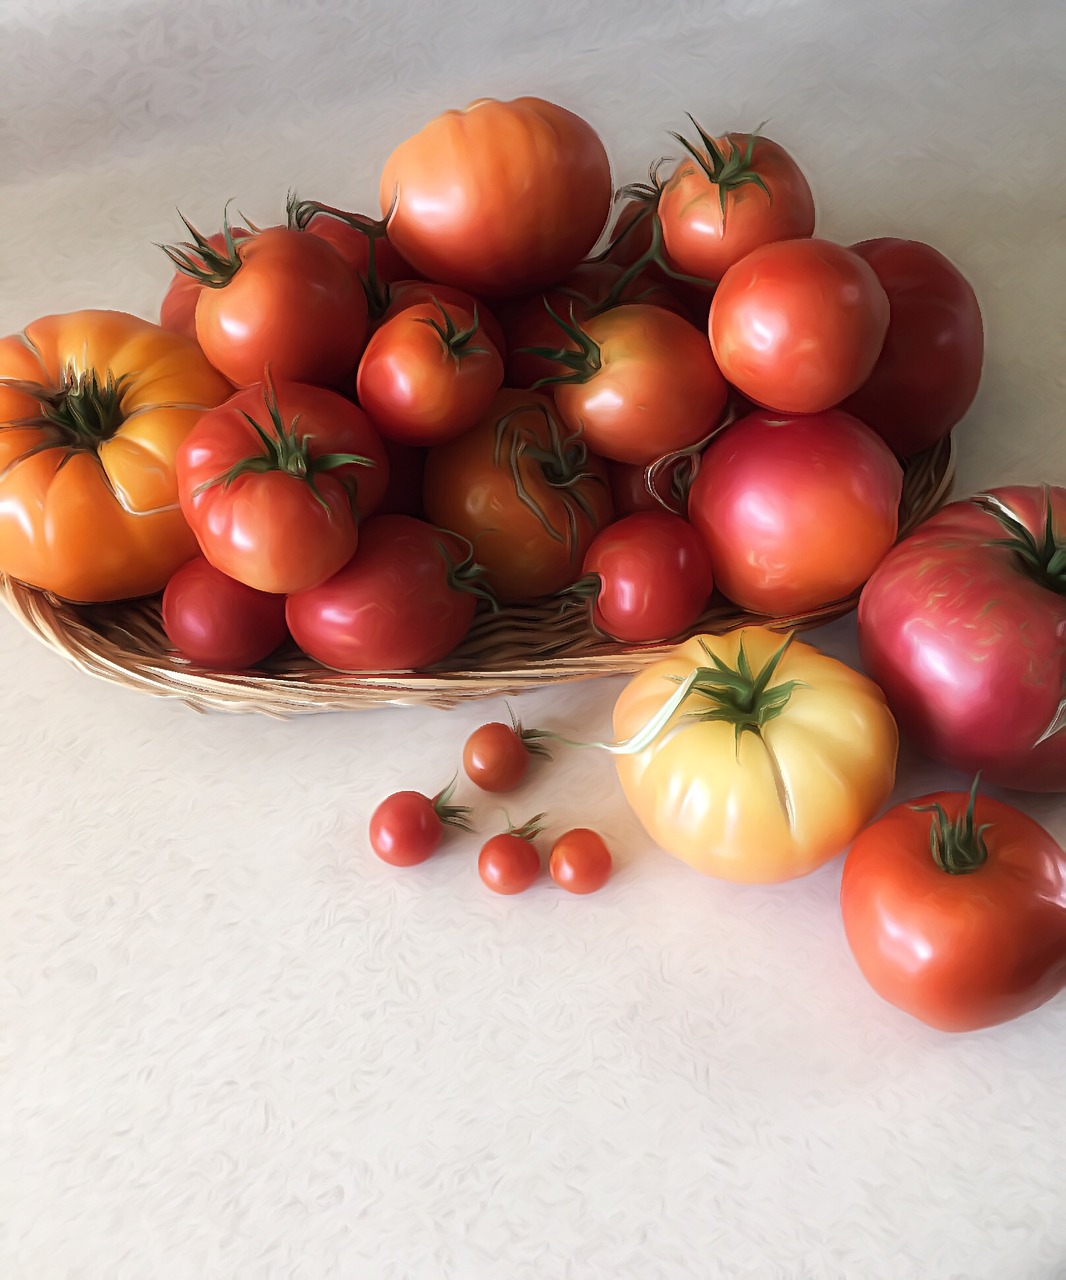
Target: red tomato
{"points": [[955, 910], [509, 862], [654, 575], [286, 300], [219, 622], [666, 489], [496, 756], [524, 490], [963, 624], [797, 325], [499, 198], [407, 826], [353, 245], [271, 484], [580, 861], [644, 384], [177, 311], [927, 374], [401, 294], [403, 601], [728, 197], [428, 374], [795, 511]]}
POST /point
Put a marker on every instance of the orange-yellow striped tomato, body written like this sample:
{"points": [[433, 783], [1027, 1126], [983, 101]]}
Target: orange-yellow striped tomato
{"points": [[93, 407], [774, 759]]}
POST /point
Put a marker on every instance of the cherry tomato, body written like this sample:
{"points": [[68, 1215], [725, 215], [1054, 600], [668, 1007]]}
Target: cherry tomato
{"points": [[796, 512], [509, 862], [580, 861], [496, 756], [500, 198], [927, 374], [219, 622], [404, 600], [408, 826], [729, 196], [797, 325], [654, 577], [955, 910], [428, 374]]}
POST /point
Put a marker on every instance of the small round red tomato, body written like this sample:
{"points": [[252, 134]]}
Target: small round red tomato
{"points": [[499, 198], [404, 600], [729, 196], [278, 299], [954, 907], [272, 483], [496, 756], [796, 512], [927, 374], [219, 622], [428, 374], [509, 862], [644, 384], [654, 577], [524, 490], [407, 826], [797, 325], [580, 861]]}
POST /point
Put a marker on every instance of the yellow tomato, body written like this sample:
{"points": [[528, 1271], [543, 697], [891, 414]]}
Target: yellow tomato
{"points": [[774, 759], [93, 407]]}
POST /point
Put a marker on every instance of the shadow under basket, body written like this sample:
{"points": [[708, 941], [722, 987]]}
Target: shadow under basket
{"points": [[521, 647]]}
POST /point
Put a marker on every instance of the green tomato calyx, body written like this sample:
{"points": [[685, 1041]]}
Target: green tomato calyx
{"points": [[957, 844]]}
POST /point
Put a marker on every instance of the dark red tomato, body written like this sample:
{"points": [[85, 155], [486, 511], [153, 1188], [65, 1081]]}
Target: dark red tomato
{"points": [[580, 861], [667, 487], [288, 302], [272, 484], [408, 826], [218, 622], [496, 756], [403, 601], [428, 374], [409, 293], [403, 496], [955, 910], [177, 312], [509, 862], [731, 195], [646, 384], [963, 624], [654, 574], [796, 511], [927, 374], [797, 325]]}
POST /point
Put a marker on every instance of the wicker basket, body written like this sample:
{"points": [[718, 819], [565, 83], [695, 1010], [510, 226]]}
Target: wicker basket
{"points": [[505, 653]]}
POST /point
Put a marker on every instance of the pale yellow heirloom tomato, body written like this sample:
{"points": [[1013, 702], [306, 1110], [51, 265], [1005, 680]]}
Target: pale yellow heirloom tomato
{"points": [[771, 761]]}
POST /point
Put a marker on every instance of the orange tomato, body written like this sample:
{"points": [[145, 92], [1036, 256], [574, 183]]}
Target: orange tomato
{"points": [[93, 407]]}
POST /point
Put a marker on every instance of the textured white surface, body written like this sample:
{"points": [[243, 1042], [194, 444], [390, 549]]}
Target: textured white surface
{"points": [[232, 1044]]}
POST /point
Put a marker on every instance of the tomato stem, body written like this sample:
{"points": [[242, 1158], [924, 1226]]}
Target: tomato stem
{"points": [[1043, 561], [531, 739], [200, 260], [451, 815], [957, 845], [457, 343], [726, 172]]}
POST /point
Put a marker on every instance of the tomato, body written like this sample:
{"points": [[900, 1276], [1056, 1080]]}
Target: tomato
{"points": [[278, 298], [354, 237], [272, 483], [217, 621], [580, 861], [524, 490], [428, 374], [644, 384], [499, 198], [177, 311], [927, 374], [403, 496], [797, 325], [509, 862], [761, 758], [964, 626], [496, 756], [955, 910], [729, 196], [404, 601], [652, 576], [401, 294], [93, 407], [407, 826], [796, 511], [665, 488]]}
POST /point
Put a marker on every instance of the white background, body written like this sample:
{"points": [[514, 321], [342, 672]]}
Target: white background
{"points": [[232, 1043]]}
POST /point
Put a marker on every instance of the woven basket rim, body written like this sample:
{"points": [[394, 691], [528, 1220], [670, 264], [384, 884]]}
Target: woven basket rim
{"points": [[523, 647]]}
